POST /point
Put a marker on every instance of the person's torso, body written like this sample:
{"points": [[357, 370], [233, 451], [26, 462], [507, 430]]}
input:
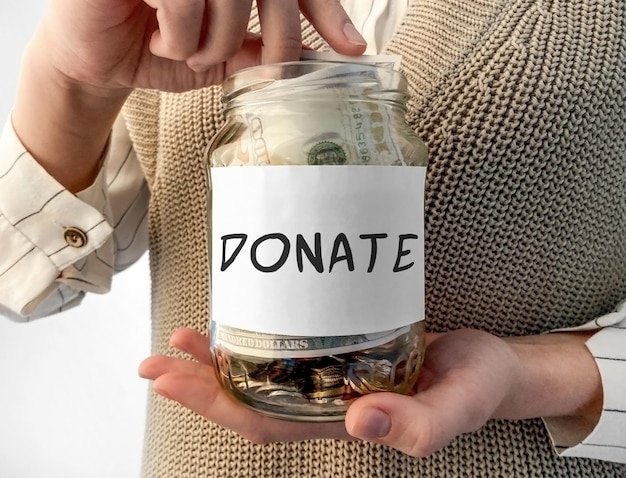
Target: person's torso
{"points": [[521, 103]]}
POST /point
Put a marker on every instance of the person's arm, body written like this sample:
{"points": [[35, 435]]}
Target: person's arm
{"points": [[62, 124], [468, 378], [60, 245], [86, 58], [77, 71]]}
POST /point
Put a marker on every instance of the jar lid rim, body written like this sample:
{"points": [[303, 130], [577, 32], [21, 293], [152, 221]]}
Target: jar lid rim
{"points": [[263, 76]]}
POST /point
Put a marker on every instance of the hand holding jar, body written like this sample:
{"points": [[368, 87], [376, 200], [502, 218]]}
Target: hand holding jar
{"points": [[467, 378]]}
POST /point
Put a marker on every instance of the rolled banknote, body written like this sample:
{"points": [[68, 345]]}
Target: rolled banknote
{"points": [[386, 61], [255, 344], [322, 128], [351, 134]]}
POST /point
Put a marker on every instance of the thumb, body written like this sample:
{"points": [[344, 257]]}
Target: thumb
{"points": [[409, 424]]}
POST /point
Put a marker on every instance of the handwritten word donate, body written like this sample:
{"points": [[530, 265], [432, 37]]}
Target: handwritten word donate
{"points": [[341, 251]]}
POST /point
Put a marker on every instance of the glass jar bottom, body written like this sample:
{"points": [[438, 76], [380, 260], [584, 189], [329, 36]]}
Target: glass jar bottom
{"points": [[320, 389]]}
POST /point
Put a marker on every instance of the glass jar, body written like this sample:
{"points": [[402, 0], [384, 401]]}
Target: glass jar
{"points": [[317, 277]]}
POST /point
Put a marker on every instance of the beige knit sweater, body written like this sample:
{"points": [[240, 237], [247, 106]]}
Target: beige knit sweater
{"points": [[522, 104]]}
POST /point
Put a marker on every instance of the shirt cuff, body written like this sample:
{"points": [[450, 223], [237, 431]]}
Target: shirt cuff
{"points": [[606, 439], [46, 224]]}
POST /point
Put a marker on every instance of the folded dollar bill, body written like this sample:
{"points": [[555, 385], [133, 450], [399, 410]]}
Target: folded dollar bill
{"points": [[385, 61]]}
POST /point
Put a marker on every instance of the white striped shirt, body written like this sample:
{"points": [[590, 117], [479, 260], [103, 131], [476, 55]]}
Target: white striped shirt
{"points": [[58, 246]]}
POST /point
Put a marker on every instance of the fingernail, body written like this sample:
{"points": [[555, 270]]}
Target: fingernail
{"points": [[197, 67], [353, 35], [373, 423]]}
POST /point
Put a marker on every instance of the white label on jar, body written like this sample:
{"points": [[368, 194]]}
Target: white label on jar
{"points": [[317, 250]]}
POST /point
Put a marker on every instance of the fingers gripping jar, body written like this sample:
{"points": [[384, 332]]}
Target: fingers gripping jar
{"points": [[317, 276]]}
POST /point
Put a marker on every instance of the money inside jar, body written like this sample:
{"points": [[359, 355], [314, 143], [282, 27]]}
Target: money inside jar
{"points": [[317, 289]]}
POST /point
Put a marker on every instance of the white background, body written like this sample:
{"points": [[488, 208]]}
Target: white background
{"points": [[71, 403]]}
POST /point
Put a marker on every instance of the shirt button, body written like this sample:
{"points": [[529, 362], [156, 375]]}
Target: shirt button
{"points": [[75, 237]]}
